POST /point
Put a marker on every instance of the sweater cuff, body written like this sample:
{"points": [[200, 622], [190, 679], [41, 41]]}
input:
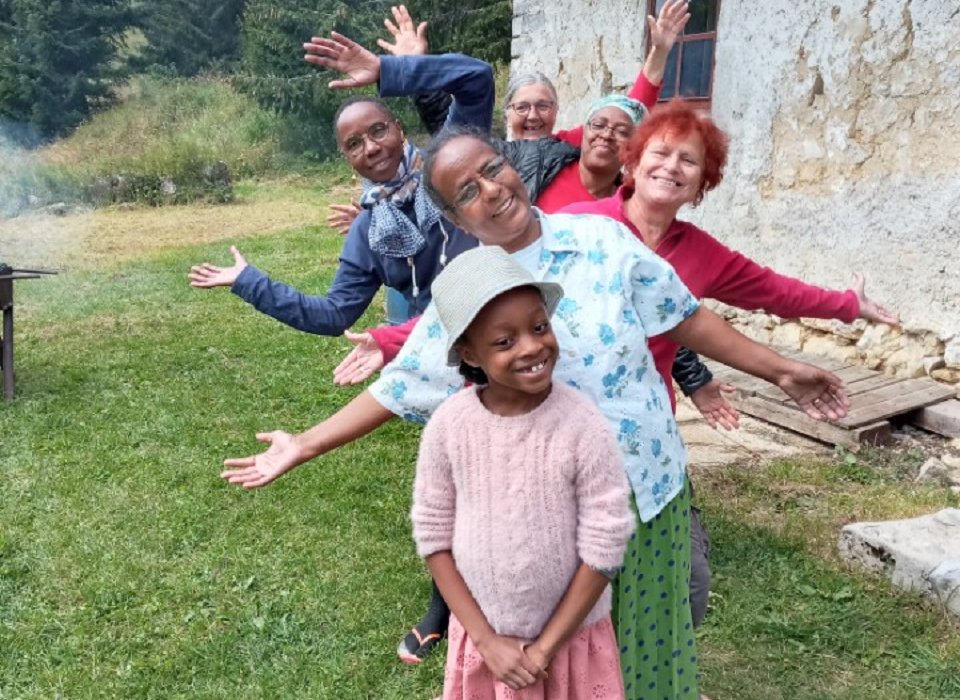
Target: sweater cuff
{"points": [[391, 71]]}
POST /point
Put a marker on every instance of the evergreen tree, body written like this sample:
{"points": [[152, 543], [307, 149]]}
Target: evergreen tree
{"points": [[58, 60], [189, 36], [273, 70], [480, 28]]}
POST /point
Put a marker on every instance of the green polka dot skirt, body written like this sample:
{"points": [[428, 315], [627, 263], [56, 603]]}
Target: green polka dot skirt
{"points": [[651, 608]]}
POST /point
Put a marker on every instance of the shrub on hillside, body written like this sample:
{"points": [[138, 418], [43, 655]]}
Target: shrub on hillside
{"points": [[169, 141]]}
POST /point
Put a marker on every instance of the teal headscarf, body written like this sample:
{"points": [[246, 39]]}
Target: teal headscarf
{"points": [[632, 108]]}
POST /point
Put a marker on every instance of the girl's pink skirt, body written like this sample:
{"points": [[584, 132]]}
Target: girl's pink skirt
{"points": [[587, 667]]}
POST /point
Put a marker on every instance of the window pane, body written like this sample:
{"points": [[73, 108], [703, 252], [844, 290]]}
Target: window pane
{"points": [[696, 68], [703, 16], [670, 74]]}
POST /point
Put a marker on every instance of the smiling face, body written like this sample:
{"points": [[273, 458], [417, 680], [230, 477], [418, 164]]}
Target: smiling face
{"points": [[532, 112], [670, 169], [511, 340], [603, 135], [484, 194], [374, 152]]}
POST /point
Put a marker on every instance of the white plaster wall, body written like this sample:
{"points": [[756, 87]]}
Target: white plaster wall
{"points": [[844, 120]]}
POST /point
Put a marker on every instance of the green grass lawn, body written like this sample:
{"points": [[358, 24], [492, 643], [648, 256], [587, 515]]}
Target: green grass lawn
{"points": [[128, 569]]}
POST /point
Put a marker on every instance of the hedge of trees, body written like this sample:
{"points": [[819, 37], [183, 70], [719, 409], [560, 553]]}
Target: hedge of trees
{"points": [[62, 60]]}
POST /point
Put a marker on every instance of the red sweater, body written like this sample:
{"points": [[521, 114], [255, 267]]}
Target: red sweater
{"points": [[712, 271], [565, 189]]}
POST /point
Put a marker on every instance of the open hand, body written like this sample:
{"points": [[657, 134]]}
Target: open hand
{"points": [[821, 394], [205, 275], [342, 215], [409, 40], [665, 29], [365, 359], [346, 56], [869, 309], [259, 470], [506, 659], [714, 406]]}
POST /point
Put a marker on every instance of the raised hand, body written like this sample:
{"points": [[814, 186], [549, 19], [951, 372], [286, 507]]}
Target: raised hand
{"points": [[259, 470], [714, 406], [342, 215], [365, 359], [346, 56], [505, 658], [665, 29], [205, 275], [409, 40], [819, 393], [869, 309]]}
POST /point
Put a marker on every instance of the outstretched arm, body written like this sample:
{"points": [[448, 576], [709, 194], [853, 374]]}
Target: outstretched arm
{"points": [[361, 416], [869, 309], [819, 393], [664, 31], [207, 276]]}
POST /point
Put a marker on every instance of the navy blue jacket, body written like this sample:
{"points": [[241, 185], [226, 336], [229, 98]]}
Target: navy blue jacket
{"points": [[361, 271]]}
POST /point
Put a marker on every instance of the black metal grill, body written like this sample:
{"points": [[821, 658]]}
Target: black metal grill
{"points": [[9, 275]]}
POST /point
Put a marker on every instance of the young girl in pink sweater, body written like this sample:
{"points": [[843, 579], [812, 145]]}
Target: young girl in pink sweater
{"points": [[520, 501]]}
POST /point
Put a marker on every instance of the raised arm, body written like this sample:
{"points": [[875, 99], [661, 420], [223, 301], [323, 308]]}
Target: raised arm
{"points": [[468, 80], [346, 56], [664, 31]]}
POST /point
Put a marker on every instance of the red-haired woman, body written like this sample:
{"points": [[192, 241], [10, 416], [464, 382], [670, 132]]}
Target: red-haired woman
{"points": [[673, 158]]}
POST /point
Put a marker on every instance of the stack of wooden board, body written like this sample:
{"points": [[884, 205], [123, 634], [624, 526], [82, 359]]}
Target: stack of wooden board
{"points": [[874, 399]]}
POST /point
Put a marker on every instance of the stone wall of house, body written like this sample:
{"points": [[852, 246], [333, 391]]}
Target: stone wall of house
{"points": [[845, 153]]}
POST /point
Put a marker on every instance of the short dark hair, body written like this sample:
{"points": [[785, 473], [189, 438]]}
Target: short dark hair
{"points": [[357, 99], [474, 375], [430, 153]]}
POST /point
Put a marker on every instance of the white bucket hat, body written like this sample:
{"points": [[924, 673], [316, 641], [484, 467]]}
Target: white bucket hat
{"points": [[471, 280]]}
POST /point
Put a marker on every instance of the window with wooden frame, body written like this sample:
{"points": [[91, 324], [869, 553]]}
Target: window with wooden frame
{"points": [[689, 71]]}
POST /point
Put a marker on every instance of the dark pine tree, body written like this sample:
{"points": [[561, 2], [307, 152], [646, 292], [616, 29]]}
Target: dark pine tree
{"points": [[58, 61], [190, 36]]}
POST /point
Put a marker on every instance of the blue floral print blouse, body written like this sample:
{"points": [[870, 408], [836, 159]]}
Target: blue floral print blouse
{"points": [[617, 293]]}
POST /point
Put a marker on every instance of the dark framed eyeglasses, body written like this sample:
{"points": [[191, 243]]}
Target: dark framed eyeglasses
{"points": [[471, 190], [377, 132], [541, 107], [618, 131]]}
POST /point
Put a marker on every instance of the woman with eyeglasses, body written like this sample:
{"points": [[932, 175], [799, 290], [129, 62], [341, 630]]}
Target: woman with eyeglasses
{"points": [[400, 239], [617, 294]]}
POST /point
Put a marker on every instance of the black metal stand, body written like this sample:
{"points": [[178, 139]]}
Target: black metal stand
{"points": [[6, 339]]}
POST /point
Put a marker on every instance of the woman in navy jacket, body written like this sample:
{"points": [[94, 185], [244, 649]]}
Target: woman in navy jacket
{"points": [[400, 238]]}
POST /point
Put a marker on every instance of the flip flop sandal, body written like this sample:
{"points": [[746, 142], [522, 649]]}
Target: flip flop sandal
{"points": [[415, 647]]}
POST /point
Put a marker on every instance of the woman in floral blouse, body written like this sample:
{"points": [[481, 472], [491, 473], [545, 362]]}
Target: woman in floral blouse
{"points": [[617, 294]]}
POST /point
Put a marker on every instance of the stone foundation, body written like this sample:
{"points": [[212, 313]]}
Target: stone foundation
{"points": [[903, 353]]}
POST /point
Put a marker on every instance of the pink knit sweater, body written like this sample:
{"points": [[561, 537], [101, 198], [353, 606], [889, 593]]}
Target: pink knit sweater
{"points": [[521, 501]]}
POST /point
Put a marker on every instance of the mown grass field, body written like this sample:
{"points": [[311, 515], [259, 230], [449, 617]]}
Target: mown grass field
{"points": [[128, 569]]}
